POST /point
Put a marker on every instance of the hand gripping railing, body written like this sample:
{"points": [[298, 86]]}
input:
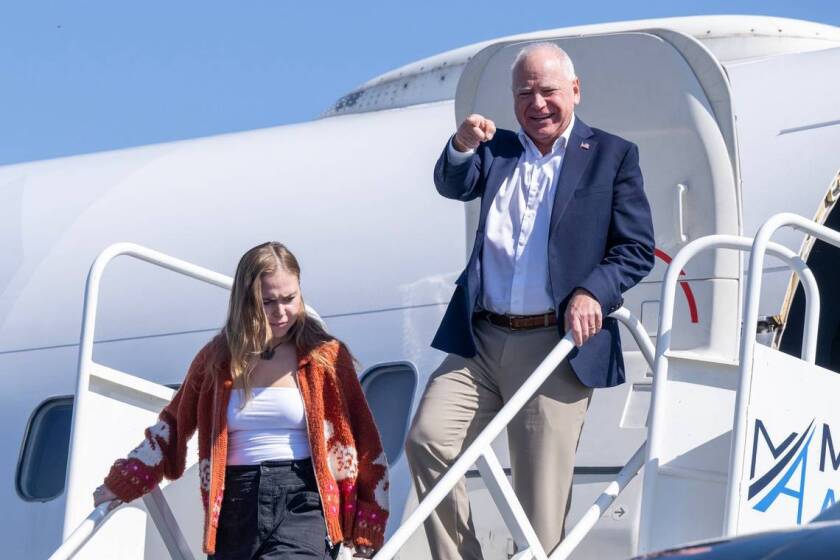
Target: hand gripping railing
{"points": [[155, 501], [663, 345], [760, 246], [160, 513], [481, 454]]}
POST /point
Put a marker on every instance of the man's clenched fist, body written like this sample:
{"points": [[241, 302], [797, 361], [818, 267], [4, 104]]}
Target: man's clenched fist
{"points": [[473, 131]]}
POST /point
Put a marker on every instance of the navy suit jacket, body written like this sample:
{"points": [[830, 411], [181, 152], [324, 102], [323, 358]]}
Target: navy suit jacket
{"points": [[600, 237]]}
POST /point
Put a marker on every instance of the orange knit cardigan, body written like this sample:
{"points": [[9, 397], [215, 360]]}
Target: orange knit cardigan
{"points": [[347, 455]]}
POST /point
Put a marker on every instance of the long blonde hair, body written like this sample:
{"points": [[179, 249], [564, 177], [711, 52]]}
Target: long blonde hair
{"points": [[247, 332]]}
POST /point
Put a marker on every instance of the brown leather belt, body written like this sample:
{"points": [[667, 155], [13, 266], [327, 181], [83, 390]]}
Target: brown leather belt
{"points": [[519, 322]]}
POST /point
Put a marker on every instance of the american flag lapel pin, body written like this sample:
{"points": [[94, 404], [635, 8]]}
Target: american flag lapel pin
{"points": [[584, 145]]}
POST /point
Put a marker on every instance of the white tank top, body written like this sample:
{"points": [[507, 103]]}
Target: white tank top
{"points": [[270, 427]]}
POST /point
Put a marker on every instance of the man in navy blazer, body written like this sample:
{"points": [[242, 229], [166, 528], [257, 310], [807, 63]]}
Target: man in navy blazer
{"points": [[600, 239], [564, 229]]}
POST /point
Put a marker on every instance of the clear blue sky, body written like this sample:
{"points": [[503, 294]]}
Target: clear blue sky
{"points": [[83, 76]]}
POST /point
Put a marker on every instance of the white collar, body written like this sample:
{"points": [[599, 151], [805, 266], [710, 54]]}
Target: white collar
{"points": [[558, 146]]}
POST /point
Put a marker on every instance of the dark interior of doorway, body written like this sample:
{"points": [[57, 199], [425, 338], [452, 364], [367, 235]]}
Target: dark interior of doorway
{"points": [[824, 261]]}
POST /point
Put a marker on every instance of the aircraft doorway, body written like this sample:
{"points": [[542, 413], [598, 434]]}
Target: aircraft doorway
{"points": [[822, 259]]}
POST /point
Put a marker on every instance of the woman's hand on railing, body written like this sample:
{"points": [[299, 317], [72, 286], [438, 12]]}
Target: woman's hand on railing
{"points": [[363, 552], [104, 495]]}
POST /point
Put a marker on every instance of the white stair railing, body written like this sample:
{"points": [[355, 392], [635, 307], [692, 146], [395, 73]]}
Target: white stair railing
{"points": [[760, 247], [159, 511], [596, 510], [82, 533], [480, 452], [156, 504], [167, 525], [657, 416]]}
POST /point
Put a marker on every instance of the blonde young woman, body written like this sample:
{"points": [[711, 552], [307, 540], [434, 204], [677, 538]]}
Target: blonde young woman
{"points": [[290, 461]]}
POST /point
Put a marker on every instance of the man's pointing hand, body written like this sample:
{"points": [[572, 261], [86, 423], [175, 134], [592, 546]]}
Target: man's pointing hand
{"points": [[473, 131]]}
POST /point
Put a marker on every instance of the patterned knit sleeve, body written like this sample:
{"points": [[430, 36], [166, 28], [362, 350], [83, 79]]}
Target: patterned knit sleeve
{"points": [[372, 477], [163, 451]]}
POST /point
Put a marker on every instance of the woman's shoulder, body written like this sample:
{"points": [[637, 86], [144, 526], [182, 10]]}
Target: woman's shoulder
{"points": [[333, 353], [211, 357], [216, 349], [328, 348]]}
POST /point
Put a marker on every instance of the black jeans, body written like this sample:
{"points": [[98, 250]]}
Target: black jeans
{"points": [[272, 511]]}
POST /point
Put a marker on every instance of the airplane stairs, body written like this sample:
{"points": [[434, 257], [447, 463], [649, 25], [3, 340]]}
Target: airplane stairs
{"points": [[755, 417], [766, 418]]}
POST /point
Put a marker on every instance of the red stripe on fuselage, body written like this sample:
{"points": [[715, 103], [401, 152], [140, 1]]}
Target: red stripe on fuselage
{"points": [[689, 294]]}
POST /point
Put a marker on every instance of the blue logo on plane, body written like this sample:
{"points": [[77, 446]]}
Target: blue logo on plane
{"points": [[794, 455], [789, 457]]}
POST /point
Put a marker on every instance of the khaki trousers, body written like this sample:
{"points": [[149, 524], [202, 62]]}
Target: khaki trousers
{"points": [[461, 398]]}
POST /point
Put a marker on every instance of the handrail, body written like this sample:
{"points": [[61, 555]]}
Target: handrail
{"points": [[83, 532], [93, 522], [627, 473], [167, 525], [597, 509], [663, 345], [480, 448], [761, 245]]}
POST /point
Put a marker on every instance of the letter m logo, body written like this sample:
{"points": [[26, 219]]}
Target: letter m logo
{"points": [[828, 447], [782, 454], [775, 450]]}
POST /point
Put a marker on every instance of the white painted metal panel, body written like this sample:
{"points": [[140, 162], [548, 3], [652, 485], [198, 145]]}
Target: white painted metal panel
{"points": [[118, 408], [694, 450], [727, 37], [788, 130], [351, 204], [790, 462]]}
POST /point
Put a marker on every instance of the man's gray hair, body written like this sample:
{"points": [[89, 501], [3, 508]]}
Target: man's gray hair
{"points": [[562, 56]]}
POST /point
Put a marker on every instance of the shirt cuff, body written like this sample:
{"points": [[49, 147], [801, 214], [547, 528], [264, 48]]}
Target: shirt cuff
{"points": [[454, 156]]}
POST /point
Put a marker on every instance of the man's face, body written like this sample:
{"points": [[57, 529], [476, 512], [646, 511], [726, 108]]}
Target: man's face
{"points": [[544, 97]]}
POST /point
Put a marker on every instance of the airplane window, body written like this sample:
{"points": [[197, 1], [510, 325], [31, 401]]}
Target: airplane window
{"points": [[42, 465], [389, 389], [43, 458]]}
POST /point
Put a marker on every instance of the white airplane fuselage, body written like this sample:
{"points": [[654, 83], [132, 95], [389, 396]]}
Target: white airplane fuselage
{"points": [[351, 194]]}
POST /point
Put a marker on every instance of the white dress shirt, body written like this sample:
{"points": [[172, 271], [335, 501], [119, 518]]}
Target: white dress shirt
{"points": [[514, 259]]}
